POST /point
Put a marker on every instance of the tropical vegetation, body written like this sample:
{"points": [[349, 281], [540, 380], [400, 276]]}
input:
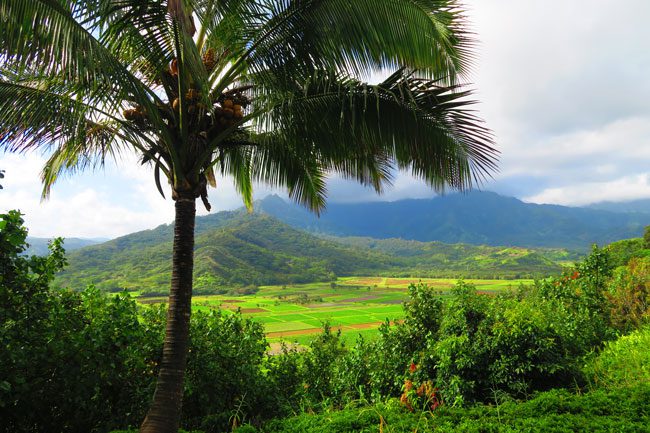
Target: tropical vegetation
{"points": [[261, 90], [251, 249], [568, 352]]}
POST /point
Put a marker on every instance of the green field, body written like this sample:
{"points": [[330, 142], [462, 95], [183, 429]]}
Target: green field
{"points": [[355, 305]]}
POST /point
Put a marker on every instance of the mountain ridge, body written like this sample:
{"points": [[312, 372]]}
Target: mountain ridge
{"points": [[475, 217], [244, 249]]}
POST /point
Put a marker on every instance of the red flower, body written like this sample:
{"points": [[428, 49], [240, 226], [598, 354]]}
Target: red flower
{"points": [[413, 367]]}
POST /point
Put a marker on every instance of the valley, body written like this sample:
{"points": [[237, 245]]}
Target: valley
{"points": [[355, 305]]}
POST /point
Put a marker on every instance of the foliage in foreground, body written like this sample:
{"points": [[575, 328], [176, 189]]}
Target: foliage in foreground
{"points": [[621, 363], [80, 362], [622, 410]]}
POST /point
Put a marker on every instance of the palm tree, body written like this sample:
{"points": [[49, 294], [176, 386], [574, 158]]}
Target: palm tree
{"points": [[261, 90]]}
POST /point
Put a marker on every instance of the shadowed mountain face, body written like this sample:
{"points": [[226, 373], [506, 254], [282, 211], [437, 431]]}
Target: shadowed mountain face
{"points": [[480, 218], [235, 249]]}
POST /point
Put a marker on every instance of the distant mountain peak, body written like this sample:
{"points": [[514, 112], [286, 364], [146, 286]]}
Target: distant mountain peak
{"points": [[475, 217]]}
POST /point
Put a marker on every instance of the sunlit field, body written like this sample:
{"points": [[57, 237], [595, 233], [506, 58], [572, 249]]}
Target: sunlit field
{"points": [[354, 305]]}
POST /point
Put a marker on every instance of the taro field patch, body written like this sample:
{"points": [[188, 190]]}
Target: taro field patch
{"points": [[354, 305]]}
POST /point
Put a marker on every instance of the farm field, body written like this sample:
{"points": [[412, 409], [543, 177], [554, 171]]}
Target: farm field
{"points": [[355, 305]]}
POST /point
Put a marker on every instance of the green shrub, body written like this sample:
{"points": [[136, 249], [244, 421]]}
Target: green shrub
{"points": [[624, 362], [622, 410], [459, 360], [86, 361], [319, 365], [70, 361], [629, 295], [223, 376]]}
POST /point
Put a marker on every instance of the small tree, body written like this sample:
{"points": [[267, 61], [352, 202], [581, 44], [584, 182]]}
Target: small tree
{"points": [[646, 237]]}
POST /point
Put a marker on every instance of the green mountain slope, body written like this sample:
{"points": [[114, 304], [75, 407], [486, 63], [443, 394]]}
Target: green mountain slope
{"points": [[241, 250], [479, 218], [438, 259], [236, 249]]}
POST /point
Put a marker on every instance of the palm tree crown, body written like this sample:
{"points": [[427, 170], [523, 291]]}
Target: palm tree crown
{"points": [[260, 90], [264, 90]]}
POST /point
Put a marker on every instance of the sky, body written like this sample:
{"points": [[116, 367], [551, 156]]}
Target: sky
{"points": [[563, 84]]}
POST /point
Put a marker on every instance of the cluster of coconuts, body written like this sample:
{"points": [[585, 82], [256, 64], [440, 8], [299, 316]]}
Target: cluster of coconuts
{"points": [[228, 110]]}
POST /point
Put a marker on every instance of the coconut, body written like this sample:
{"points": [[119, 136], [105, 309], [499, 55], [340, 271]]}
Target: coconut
{"points": [[209, 59], [192, 94]]}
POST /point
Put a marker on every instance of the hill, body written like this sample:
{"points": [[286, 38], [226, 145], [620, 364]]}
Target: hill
{"points": [[642, 206], [38, 246], [236, 249], [479, 218], [437, 259]]}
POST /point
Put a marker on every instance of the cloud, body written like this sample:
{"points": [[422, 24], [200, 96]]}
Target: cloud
{"points": [[626, 188], [112, 202], [563, 85]]}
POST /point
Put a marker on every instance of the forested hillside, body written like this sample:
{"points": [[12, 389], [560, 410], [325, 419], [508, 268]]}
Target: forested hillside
{"points": [[237, 249], [240, 250], [479, 218], [428, 258]]}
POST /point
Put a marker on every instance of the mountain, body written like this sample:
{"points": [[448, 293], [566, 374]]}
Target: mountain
{"points": [[235, 249], [642, 206], [480, 218], [38, 246], [437, 259]]}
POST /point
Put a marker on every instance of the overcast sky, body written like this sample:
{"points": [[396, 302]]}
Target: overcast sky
{"points": [[564, 85]]}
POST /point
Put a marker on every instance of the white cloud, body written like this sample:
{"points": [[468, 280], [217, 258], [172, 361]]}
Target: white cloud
{"points": [[110, 203], [626, 188]]}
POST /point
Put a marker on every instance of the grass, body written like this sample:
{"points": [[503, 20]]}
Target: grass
{"points": [[355, 305]]}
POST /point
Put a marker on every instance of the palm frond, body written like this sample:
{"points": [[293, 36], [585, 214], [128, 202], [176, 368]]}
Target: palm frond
{"points": [[365, 131], [44, 37], [278, 163], [361, 36]]}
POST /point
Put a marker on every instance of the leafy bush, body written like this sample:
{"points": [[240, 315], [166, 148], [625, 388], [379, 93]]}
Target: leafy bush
{"points": [[86, 361], [624, 362], [557, 411], [501, 344], [224, 377], [70, 361], [629, 295], [404, 343]]}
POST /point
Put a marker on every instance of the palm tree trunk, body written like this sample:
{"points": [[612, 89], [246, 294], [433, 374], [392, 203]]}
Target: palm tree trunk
{"points": [[165, 411]]}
